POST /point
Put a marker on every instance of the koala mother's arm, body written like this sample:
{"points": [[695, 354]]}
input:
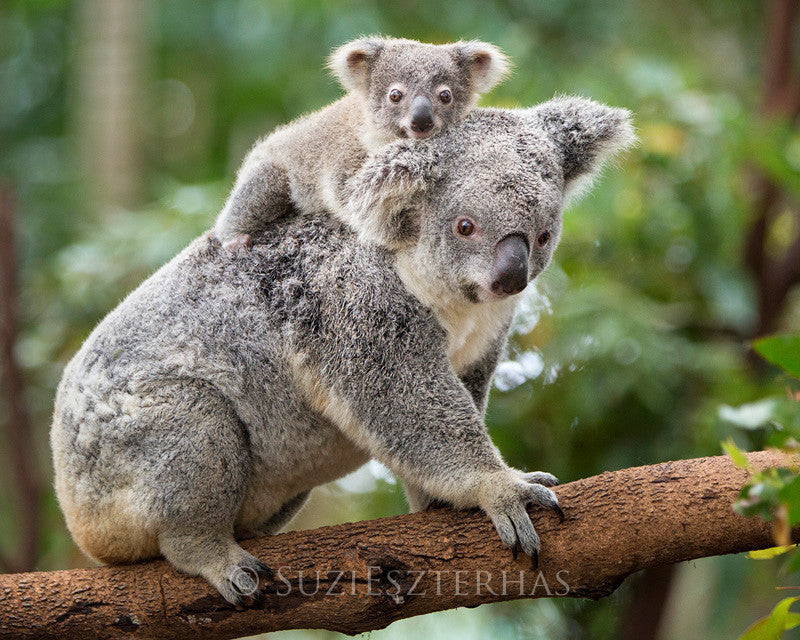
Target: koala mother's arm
{"points": [[390, 388], [478, 375], [476, 379], [403, 403]]}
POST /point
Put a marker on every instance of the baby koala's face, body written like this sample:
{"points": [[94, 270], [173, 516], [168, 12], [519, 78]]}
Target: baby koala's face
{"points": [[413, 89], [416, 89]]}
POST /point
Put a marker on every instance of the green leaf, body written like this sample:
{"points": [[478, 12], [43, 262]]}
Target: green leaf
{"points": [[773, 626], [766, 554], [792, 620], [782, 351], [736, 454]]}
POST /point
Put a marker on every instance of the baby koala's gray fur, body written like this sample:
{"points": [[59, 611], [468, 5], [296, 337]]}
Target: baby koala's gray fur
{"points": [[229, 384], [307, 162]]}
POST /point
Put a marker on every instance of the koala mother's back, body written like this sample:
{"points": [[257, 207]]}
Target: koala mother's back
{"points": [[212, 332]]}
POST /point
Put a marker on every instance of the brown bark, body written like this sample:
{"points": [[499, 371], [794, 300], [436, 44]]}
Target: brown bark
{"points": [[19, 436], [617, 523]]}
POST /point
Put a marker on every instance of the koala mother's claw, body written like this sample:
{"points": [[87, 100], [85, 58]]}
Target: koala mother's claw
{"points": [[540, 477], [559, 512], [265, 572]]}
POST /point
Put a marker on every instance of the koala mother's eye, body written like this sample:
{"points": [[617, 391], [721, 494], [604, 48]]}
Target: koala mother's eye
{"points": [[445, 96], [465, 226], [395, 95], [543, 238]]}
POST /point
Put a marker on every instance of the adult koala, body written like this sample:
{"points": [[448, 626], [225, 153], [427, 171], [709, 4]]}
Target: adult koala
{"points": [[228, 385]]}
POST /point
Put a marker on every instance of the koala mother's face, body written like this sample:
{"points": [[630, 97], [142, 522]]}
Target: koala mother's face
{"points": [[476, 211], [491, 224]]}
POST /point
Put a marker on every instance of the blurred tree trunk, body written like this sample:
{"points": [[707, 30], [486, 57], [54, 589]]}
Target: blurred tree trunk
{"points": [[776, 275], [110, 81], [19, 438], [650, 595]]}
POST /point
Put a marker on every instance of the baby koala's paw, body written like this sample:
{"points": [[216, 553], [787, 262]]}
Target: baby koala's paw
{"points": [[239, 242], [505, 496]]}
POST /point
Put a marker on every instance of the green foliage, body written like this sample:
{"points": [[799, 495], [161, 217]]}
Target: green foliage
{"points": [[773, 626], [782, 351], [774, 494]]}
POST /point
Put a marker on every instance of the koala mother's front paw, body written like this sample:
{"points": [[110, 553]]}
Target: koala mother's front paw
{"points": [[504, 496], [538, 477]]}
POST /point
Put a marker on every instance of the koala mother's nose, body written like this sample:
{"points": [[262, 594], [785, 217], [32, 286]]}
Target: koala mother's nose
{"points": [[421, 114], [510, 269]]}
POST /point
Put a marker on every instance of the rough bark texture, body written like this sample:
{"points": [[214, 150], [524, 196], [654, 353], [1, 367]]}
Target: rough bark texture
{"points": [[617, 523]]}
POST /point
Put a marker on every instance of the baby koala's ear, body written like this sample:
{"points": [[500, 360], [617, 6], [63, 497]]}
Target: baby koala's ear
{"points": [[487, 64], [350, 62], [586, 133], [383, 194]]}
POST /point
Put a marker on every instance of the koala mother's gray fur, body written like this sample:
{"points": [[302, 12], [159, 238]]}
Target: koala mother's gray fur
{"points": [[228, 385]]}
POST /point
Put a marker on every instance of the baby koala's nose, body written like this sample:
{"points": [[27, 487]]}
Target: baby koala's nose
{"points": [[421, 114]]}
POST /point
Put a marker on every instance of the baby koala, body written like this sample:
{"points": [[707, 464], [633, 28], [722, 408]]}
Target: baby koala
{"points": [[397, 88]]}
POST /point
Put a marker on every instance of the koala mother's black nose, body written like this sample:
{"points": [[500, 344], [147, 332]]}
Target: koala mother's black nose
{"points": [[510, 268], [421, 114]]}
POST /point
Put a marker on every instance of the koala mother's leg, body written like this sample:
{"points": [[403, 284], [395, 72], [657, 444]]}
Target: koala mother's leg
{"points": [[196, 469], [277, 521], [417, 499]]}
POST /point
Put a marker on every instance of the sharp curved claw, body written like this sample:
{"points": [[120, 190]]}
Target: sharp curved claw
{"points": [[258, 598], [559, 512], [534, 561], [514, 549], [264, 571]]}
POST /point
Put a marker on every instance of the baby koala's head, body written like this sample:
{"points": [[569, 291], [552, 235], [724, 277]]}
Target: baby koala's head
{"points": [[412, 89]]}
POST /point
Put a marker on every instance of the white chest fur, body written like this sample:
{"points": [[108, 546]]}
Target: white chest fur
{"points": [[471, 327]]}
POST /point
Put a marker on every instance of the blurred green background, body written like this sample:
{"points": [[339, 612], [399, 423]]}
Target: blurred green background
{"points": [[122, 123]]}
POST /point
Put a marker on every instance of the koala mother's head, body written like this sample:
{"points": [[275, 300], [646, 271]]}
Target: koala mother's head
{"points": [[477, 210]]}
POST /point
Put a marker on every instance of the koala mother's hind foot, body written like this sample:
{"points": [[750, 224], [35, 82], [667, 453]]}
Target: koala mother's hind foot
{"points": [[234, 572]]}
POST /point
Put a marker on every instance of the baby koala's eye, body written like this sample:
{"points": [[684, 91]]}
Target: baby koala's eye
{"points": [[543, 238], [465, 226], [445, 96], [395, 95]]}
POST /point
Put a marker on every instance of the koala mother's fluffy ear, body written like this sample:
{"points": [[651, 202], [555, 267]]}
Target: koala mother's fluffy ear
{"points": [[586, 133], [350, 62], [487, 64]]}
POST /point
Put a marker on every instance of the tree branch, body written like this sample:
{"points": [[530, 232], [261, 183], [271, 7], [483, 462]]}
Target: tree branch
{"points": [[373, 573]]}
